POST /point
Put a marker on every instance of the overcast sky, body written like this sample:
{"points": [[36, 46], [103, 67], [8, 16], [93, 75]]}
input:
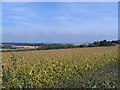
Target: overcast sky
{"points": [[65, 22]]}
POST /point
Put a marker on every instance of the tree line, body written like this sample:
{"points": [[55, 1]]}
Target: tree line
{"points": [[44, 46], [94, 44]]}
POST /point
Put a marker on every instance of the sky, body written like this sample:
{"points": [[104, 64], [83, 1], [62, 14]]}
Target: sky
{"points": [[59, 22]]}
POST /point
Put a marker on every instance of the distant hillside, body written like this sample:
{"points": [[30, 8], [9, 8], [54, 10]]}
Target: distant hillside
{"points": [[47, 46]]}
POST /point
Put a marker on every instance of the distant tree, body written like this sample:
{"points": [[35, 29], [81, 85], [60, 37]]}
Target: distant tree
{"points": [[117, 41], [105, 43], [82, 46], [91, 45], [97, 43]]}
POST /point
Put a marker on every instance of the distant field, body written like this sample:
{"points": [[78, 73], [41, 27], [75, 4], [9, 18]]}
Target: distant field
{"points": [[95, 67], [4, 49]]}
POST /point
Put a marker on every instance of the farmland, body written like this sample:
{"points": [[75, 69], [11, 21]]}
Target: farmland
{"points": [[94, 67]]}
